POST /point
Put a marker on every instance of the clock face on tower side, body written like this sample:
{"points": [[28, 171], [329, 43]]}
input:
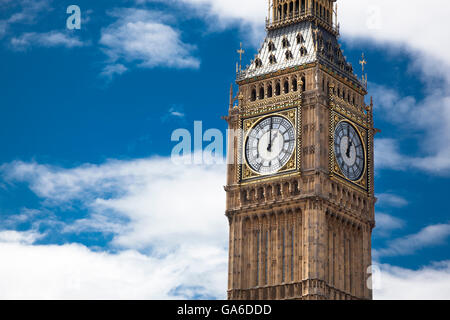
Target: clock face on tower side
{"points": [[349, 151], [270, 144]]}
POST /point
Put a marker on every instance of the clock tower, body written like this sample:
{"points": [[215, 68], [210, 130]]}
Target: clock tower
{"points": [[300, 195]]}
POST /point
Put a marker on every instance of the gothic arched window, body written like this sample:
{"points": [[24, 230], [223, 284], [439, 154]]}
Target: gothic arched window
{"points": [[253, 95], [286, 86], [294, 84], [261, 93], [300, 39], [285, 42], [277, 89], [269, 91]]}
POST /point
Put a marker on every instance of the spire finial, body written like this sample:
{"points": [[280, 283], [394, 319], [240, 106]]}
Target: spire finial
{"points": [[231, 96], [240, 52], [363, 62]]}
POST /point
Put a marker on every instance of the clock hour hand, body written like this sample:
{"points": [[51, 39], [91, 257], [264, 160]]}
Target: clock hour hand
{"points": [[350, 143]]}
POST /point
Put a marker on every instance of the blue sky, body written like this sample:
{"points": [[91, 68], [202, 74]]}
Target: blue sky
{"points": [[86, 117]]}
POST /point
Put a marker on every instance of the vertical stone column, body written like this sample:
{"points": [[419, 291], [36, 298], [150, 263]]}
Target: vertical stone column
{"points": [[314, 227], [252, 254], [367, 258], [231, 254], [243, 252]]}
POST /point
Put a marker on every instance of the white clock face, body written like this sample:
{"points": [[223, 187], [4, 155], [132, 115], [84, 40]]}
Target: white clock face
{"points": [[349, 151], [270, 145]]}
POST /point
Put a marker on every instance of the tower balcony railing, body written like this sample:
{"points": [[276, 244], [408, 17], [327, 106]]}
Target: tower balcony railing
{"points": [[297, 16]]}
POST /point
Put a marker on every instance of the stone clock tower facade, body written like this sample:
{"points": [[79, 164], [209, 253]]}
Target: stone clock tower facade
{"points": [[300, 194]]}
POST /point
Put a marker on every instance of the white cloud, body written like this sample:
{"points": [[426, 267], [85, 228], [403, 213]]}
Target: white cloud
{"points": [[430, 236], [27, 14], [48, 40], [388, 156], [30, 10], [428, 283], [386, 224], [172, 214], [428, 119], [248, 15], [111, 70], [75, 272], [391, 200], [140, 192], [175, 112], [143, 37], [27, 237], [392, 23]]}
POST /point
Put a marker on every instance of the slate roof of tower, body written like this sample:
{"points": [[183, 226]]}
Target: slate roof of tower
{"points": [[290, 32]]}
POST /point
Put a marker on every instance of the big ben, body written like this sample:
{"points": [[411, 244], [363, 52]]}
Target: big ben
{"points": [[300, 190]]}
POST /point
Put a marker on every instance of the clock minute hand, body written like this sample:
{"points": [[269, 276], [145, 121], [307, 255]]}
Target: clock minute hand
{"points": [[349, 144], [274, 137], [269, 147]]}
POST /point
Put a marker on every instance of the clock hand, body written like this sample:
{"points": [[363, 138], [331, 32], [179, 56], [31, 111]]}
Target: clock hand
{"points": [[269, 147], [274, 137], [350, 143]]}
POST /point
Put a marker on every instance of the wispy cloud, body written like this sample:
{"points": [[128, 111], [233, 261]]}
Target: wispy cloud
{"points": [[113, 69], [430, 236], [386, 224], [143, 37], [175, 112], [391, 200], [27, 12], [48, 40]]}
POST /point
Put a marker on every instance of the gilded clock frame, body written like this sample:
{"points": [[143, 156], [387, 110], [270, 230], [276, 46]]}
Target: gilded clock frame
{"points": [[336, 117], [289, 111]]}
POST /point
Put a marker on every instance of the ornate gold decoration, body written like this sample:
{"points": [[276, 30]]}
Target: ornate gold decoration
{"points": [[339, 114], [292, 112]]}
